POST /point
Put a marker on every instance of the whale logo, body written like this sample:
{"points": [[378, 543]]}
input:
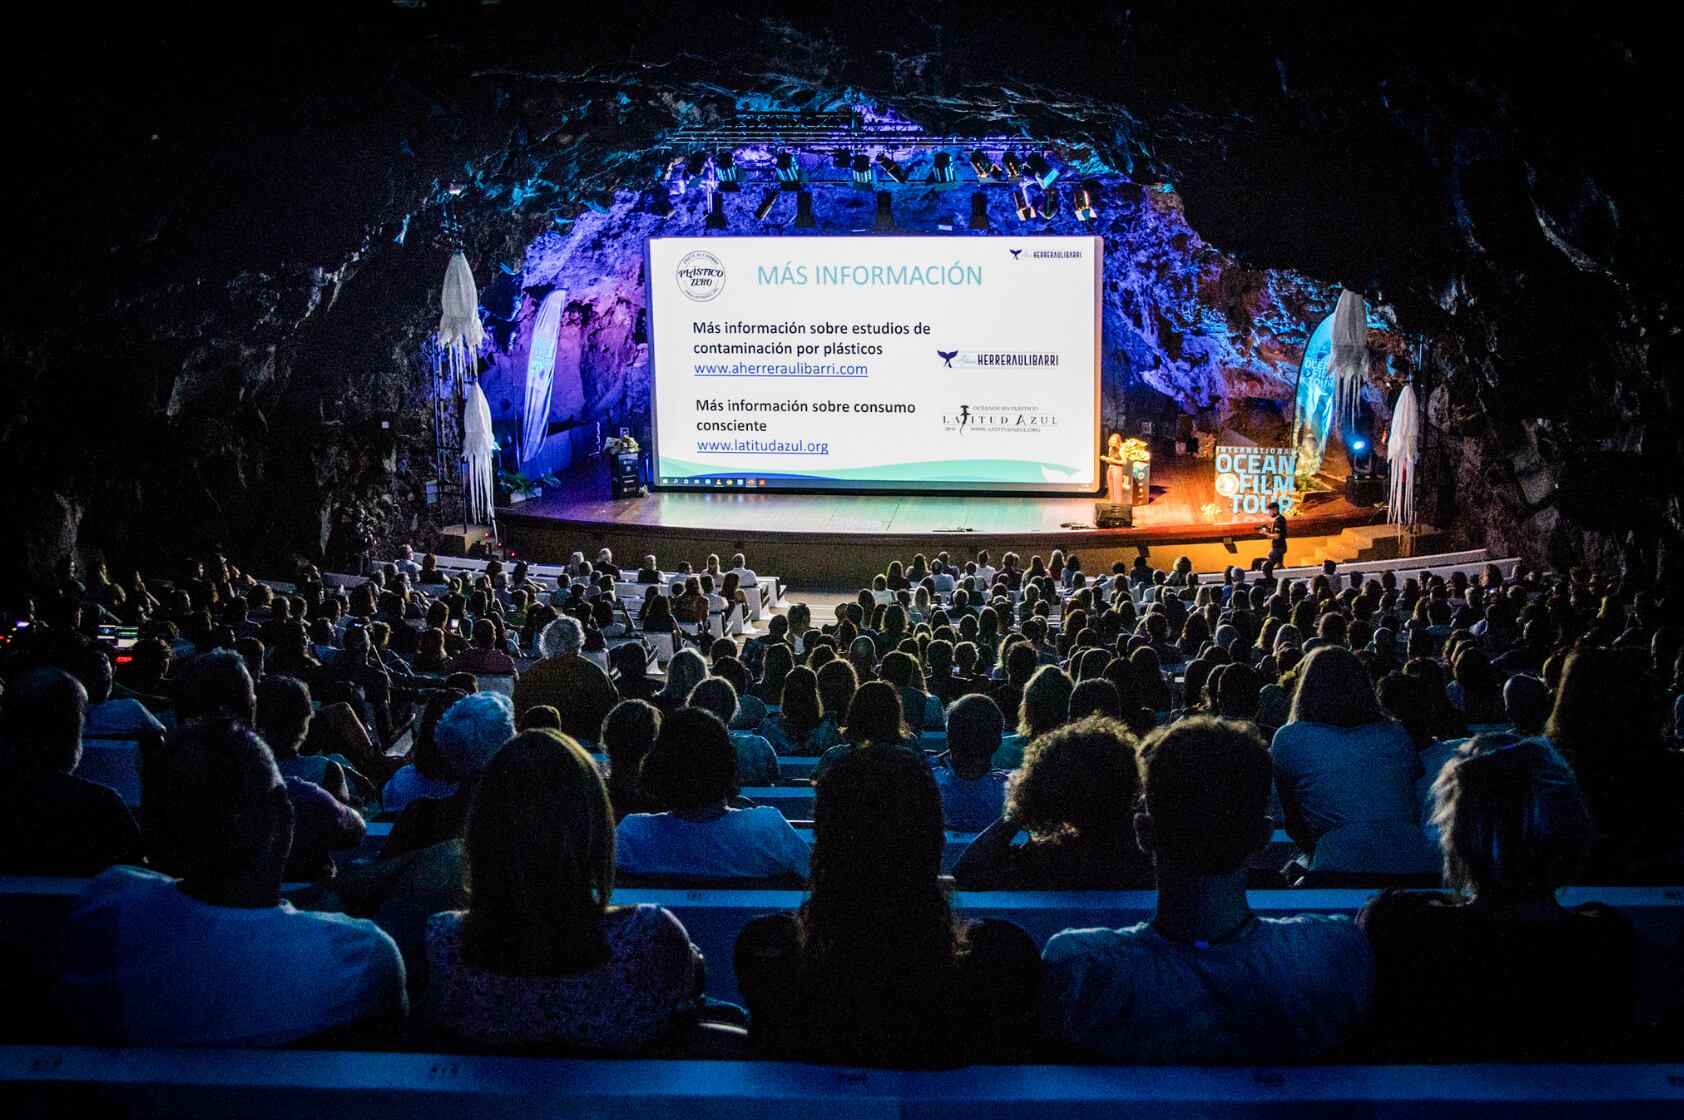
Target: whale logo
{"points": [[947, 357]]}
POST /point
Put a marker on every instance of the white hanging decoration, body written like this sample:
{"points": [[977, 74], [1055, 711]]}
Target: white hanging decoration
{"points": [[460, 334], [540, 373], [1349, 357], [1403, 449], [478, 454]]}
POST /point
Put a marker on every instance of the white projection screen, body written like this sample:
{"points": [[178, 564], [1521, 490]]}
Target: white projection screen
{"points": [[875, 363]]}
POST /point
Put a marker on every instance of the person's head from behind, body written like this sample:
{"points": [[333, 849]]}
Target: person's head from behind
{"points": [[974, 730], [1407, 698], [875, 715], [693, 765], [215, 811], [562, 638], [1095, 696], [1046, 702], [1334, 688], [1237, 692], [687, 669], [802, 709], [1020, 663], [1511, 818], [1206, 805], [628, 735], [471, 731], [630, 661], [283, 714], [540, 844], [837, 684], [43, 717], [1527, 702], [1603, 716], [539, 717], [214, 685], [715, 695], [1080, 778], [877, 845]]}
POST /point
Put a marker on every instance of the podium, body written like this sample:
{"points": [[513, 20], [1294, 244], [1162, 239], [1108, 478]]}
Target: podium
{"points": [[623, 474]]}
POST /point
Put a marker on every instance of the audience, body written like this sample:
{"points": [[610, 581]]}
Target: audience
{"points": [[573, 685], [1207, 980], [468, 735], [973, 792]]}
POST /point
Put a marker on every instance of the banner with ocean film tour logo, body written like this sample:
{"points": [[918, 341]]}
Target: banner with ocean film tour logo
{"points": [[875, 363]]}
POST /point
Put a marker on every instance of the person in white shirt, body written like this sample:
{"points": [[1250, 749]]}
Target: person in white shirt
{"points": [[693, 771], [941, 579], [1206, 980], [744, 573], [984, 570], [406, 562], [215, 958]]}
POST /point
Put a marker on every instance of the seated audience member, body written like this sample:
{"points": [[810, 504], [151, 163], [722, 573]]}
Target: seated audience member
{"points": [[973, 792], [837, 684], [1527, 702], [573, 685], [1075, 797], [685, 671], [800, 727], [357, 665], [1346, 775], [483, 658], [1605, 724], [923, 711], [541, 717], [874, 716], [875, 969], [1501, 971], [325, 820], [1206, 980], [628, 735], [427, 774], [757, 763], [540, 957], [125, 718], [51, 822], [215, 958], [693, 772], [283, 719], [630, 662], [1095, 696], [469, 733], [1046, 702]]}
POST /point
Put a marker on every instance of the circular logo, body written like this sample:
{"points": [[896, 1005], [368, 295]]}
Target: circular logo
{"points": [[700, 275], [1227, 485]]}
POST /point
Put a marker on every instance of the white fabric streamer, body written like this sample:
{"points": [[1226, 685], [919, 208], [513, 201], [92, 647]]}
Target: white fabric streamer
{"points": [[1350, 357], [478, 453], [1403, 449], [540, 373]]}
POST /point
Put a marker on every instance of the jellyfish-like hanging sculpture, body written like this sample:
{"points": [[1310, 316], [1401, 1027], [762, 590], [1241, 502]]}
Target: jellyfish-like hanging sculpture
{"points": [[1403, 448], [478, 454], [1350, 357], [460, 332]]}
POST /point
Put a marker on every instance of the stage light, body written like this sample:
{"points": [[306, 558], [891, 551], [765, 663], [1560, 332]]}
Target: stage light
{"points": [[1043, 171], [841, 159], [862, 171], [696, 164], [789, 172], [716, 215], [1049, 203], [983, 166], [1086, 202], [1012, 165], [890, 168], [1359, 445], [1025, 204], [979, 210], [804, 210], [941, 168], [767, 201], [725, 170], [885, 212]]}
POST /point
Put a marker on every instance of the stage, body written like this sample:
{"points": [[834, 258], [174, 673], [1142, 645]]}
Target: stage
{"points": [[850, 537]]}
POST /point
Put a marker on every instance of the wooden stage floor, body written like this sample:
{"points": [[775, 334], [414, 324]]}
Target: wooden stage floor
{"points": [[857, 533]]}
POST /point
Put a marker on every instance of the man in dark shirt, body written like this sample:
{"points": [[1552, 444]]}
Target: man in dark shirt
{"points": [[1276, 529], [356, 665], [51, 822]]}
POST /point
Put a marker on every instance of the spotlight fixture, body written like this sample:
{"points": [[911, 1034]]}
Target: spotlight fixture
{"points": [[862, 171], [1025, 204], [1043, 171], [841, 158], [726, 171], [767, 201], [885, 212], [804, 209], [1049, 203], [941, 168], [716, 215], [1086, 201], [983, 166], [695, 165], [1011, 165], [789, 172], [979, 210], [890, 168]]}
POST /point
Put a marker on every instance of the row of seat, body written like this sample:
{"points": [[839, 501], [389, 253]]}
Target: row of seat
{"points": [[61, 1080]]}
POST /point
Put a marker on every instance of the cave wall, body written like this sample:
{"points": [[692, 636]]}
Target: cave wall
{"points": [[226, 239]]}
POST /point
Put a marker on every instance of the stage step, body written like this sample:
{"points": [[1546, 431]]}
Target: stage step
{"points": [[1376, 542]]}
